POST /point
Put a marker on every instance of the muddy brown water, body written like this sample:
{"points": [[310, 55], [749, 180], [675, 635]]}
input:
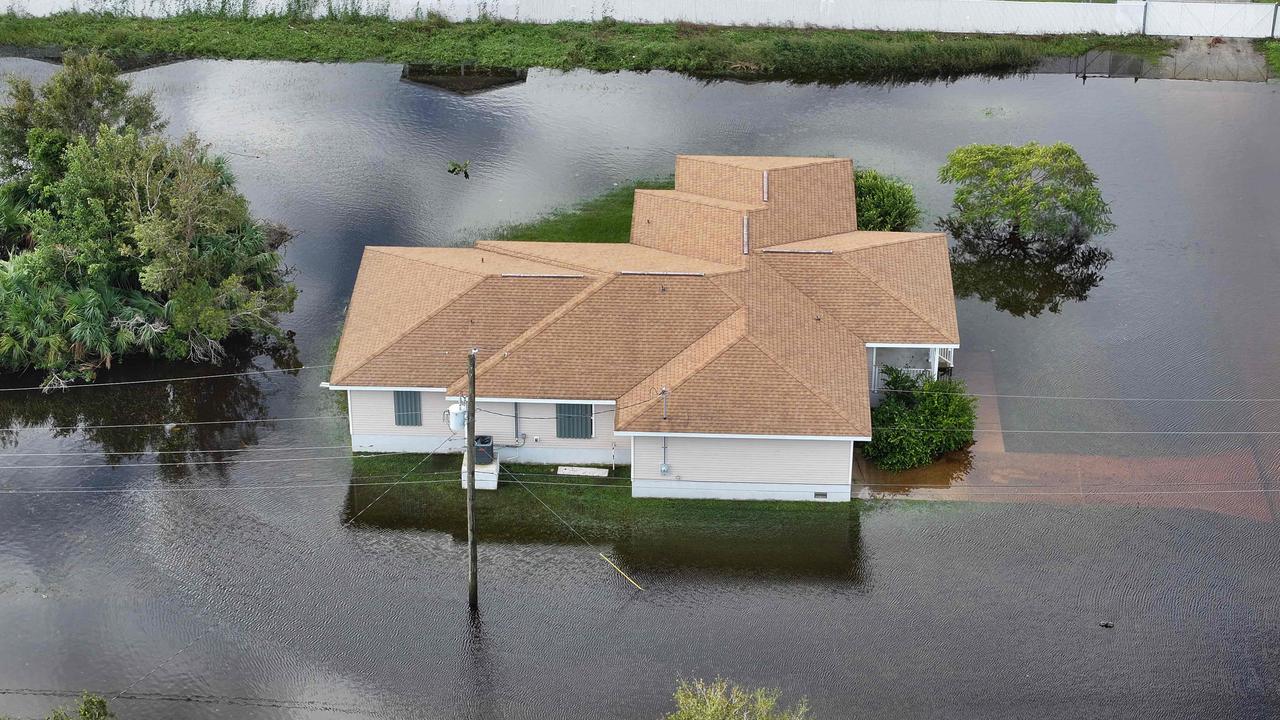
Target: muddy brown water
{"points": [[255, 602]]}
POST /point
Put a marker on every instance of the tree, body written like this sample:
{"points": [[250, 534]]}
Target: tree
{"points": [[131, 243], [84, 96], [919, 421], [91, 707], [719, 700], [1027, 275], [1045, 191], [884, 203]]}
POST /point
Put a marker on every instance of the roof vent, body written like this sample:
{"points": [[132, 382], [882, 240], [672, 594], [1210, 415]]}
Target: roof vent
{"points": [[661, 273], [798, 251], [539, 275]]}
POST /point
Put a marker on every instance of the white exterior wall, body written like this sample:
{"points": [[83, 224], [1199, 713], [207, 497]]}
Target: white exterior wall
{"points": [[742, 469], [373, 429]]}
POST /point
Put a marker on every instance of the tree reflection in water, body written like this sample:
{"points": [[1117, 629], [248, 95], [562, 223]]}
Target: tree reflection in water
{"points": [[159, 413], [1023, 275]]}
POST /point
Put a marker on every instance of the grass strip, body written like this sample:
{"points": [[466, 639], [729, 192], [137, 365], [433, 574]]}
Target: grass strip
{"points": [[803, 54]]}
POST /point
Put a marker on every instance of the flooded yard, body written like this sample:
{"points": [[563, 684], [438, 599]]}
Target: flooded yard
{"points": [[1126, 465]]}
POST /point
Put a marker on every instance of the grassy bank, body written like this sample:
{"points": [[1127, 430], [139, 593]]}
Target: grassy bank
{"points": [[606, 218], [1271, 48], [713, 52]]}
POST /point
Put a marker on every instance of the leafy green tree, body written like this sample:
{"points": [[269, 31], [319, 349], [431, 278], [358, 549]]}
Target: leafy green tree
{"points": [[720, 700], [91, 707], [919, 421], [84, 96], [15, 227], [1032, 190], [884, 202], [137, 244]]}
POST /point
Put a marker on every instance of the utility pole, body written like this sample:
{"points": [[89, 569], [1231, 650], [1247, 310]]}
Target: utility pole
{"points": [[472, 598]]}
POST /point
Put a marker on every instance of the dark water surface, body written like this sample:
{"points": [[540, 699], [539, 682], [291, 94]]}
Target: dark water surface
{"points": [[262, 605]]}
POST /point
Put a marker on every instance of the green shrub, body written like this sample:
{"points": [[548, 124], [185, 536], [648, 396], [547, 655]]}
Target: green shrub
{"points": [[884, 203], [720, 700], [919, 421], [91, 707]]}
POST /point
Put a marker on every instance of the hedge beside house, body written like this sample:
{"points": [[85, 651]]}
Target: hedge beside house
{"points": [[919, 421]]}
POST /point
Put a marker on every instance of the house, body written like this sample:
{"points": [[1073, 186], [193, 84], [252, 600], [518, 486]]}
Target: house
{"points": [[728, 351]]}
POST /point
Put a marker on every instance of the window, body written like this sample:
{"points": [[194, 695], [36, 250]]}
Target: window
{"points": [[574, 421], [408, 407]]}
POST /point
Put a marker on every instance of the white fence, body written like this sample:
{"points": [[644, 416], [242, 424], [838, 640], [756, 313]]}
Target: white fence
{"points": [[1240, 19]]}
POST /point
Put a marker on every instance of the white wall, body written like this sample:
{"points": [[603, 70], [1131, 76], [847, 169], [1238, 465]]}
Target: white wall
{"points": [[737, 468], [373, 428], [1227, 19], [1237, 19]]}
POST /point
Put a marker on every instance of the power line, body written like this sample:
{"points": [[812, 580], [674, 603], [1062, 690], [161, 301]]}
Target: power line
{"points": [[314, 549], [184, 424], [199, 462], [575, 531], [1084, 397], [1086, 432], [204, 488], [173, 452], [612, 408], [45, 388]]}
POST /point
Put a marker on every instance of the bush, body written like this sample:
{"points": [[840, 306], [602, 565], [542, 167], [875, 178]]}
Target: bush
{"points": [[91, 707], [919, 421], [884, 203], [719, 700]]}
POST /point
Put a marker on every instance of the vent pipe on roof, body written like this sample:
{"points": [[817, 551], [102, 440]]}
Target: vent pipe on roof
{"points": [[746, 238], [664, 392]]}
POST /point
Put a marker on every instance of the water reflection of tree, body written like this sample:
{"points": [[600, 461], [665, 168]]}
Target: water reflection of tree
{"points": [[1023, 275], [160, 416]]}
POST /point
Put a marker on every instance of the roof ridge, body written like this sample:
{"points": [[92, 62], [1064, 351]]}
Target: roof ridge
{"points": [[720, 353], [905, 303], [698, 367], [537, 258], [813, 160], [798, 379], [534, 330], [387, 346], [378, 249], [688, 197]]}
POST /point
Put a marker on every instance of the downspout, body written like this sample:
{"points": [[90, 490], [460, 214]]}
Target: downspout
{"points": [[515, 415]]}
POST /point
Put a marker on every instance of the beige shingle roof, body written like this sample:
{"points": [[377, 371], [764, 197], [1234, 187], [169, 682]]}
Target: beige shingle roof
{"points": [[605, 257], [608, 340], [770, 342]]}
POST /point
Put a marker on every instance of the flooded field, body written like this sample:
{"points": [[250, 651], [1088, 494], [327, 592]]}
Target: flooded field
{"points": [[214, 550]]}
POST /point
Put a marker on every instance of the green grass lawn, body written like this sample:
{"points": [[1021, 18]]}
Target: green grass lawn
{"points": [[713, 52], [1271, 48], [599, 508], [606, 218]]}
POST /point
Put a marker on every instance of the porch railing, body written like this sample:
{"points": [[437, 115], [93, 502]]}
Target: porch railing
{"points": [[947, 355], [877, 384]]}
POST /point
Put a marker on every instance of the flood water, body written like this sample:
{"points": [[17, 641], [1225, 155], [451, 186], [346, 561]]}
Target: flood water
{"points": [[255, 601]]}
